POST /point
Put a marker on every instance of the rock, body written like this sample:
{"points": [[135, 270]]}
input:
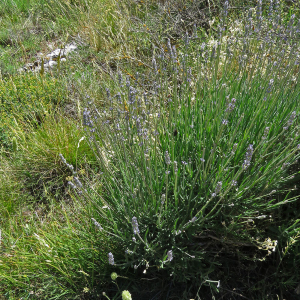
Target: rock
{"points": [[50, 60], [52, 63], [29, 66]]}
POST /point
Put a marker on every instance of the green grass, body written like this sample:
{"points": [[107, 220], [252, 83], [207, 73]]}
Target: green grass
{"points": [[189, 178]]}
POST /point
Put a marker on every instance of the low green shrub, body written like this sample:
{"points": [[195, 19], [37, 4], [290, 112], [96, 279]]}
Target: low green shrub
{"points": [[199, 165]]}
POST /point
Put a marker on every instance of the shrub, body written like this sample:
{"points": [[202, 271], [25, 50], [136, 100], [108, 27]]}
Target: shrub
{"points": [[196, 158]]}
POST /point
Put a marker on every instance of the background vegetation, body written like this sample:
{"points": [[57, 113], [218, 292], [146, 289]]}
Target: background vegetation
{"points": [[169, 139]]}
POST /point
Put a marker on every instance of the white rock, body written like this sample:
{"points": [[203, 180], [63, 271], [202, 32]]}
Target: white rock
{"points": [[70, 48], [50, 60], [52, 63]]}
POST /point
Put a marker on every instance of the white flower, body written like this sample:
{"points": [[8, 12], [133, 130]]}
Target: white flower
{"points": [[126, 295]]}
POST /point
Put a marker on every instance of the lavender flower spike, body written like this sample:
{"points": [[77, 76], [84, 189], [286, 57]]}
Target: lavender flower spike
{"points": [[135, 226], [97, 224], [291, 120], [248, 157], [111, 260], [170, 255], [167, 158], [218, 187]]}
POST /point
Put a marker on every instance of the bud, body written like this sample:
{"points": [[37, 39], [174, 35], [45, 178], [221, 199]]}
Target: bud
{"points": [[14, 144], [114, 276]]}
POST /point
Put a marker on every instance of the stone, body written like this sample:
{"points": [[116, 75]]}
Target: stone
{"points": [[50, 60]]}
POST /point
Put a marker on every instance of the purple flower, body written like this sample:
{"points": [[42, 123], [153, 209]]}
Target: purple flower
{"points": [[234, 147], [175, 167], [266, 132], [224, 122], [248, 157], [218, 187], [135, 225], [163, 198], [167, 158], [233, 182], [111, 260], [97, 224], [225, 11], [77, 182], [72, 184], [231, 105], [193, 220], [291, 120]]}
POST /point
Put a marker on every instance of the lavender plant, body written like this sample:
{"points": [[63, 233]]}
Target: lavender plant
{"points": [[201, 148]]}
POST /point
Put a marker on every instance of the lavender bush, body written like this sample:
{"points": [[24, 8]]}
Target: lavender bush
{"points": [[197, 154]]}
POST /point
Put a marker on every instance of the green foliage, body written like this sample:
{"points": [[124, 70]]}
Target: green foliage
{"points": [[37, 164], [189, 163], [54, 253], [215, 145], [27, 98]]}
